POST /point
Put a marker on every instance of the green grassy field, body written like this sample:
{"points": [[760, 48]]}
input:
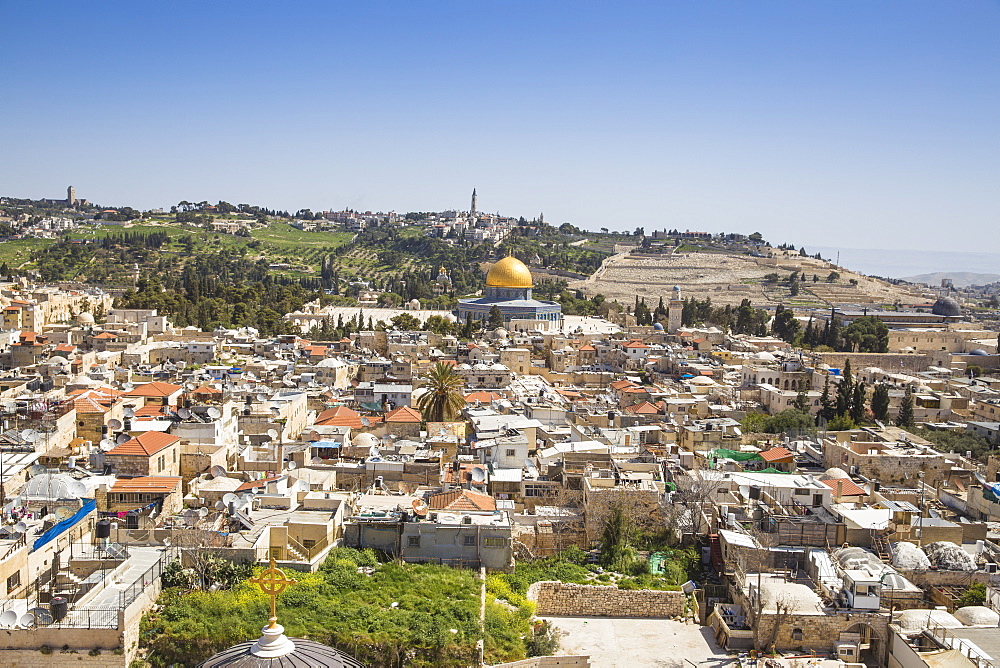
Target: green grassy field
{"points": [[18, 251], [288, 237]]}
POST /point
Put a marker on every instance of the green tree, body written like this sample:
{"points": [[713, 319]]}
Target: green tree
{"points": [[405, 322], [905, 417], [442, 400], [801, 399], [880, 402], [858, 403], [495, 319], [827, 403], [754, 423], [974, 594], [845, 391], [866, 335], [789, 420]]}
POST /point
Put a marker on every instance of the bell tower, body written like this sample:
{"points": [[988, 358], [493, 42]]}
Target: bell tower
{"points": [[475, 203]]}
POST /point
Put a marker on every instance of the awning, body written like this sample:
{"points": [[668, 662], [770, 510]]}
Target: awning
{"points": [[372, 406]]}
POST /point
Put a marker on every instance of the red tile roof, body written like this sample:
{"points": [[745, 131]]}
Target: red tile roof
{"points": [[844, 487], [342, 416], [253, 484], [106, 335], [482, 396], [404, 414], [151, 412], [154, 389], [145, 445], [776, 454], [462, 499], [148, 484], [643, 408]]}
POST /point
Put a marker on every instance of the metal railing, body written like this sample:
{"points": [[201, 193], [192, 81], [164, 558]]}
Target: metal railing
{"points": [[136, 589]]}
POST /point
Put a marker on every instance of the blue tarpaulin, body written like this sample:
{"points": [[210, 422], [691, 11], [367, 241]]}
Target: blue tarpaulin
{"points": [[89, 506]]}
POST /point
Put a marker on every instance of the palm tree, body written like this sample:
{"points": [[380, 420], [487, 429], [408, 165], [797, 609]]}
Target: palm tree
{"points": [[442, 401]]}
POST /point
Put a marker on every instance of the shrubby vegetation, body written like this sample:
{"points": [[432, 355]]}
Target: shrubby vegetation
{"points": [[436, 621]]}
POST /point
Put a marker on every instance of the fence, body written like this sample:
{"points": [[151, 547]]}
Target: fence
{"points": [[96, 618], [136, 589]]}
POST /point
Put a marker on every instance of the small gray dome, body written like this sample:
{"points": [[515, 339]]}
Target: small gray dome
{"points": [[979, 351], [658, 327], [306, 653], [947, 306]]}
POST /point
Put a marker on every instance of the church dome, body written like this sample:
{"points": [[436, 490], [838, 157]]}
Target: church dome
{"points": [[509, 273], [947, 306]]}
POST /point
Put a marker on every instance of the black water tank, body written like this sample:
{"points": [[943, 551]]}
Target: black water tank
{"points": [[104, 528], [58, 606], [754, 492]]}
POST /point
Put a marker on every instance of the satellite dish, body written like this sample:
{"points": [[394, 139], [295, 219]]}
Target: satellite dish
{"points": [[214, 413], [114, 424], [217, 471], [189, 386], [203, 512], [275, 410], [273, 433], [106, 444], [366, 422], [228, 498], [261, 398], [316, 461], [219, 505], [122, 438], [190, 517], [64, 513], [184, 413], [129, 413], [373, 452], [166, 542], [42, 616], [30, 435], [8, 619], [291, 466], [128, 387], [27, 620], [419, 507], [20, 527], [478, 474], [36, 469]]}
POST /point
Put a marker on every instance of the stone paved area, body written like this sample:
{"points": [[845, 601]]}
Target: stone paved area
{"points": [[640, 643]]}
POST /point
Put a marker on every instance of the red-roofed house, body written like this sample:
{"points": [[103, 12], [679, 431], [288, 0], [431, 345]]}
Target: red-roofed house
{"points": [[462, 500], [157, 393], [780, 458], [844, 488], [150, 453], [133, 494], [342, 416], [404, 421]]}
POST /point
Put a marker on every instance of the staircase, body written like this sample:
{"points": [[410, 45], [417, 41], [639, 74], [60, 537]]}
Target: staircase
{"points": [[715, 550], [880, 546]]}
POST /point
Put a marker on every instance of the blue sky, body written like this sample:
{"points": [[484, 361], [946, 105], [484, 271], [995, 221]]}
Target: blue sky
{"points": [[859, 124]]}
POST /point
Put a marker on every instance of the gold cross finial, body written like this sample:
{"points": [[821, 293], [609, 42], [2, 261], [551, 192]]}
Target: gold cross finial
{"points": [[273, 581]]}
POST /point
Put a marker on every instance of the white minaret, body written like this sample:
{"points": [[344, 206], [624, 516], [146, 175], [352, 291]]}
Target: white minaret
{"points": [[475, 208], [675, 309]]}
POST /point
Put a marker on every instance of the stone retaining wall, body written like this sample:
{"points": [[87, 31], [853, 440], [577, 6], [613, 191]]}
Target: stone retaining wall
{"points": [[558, 599]]}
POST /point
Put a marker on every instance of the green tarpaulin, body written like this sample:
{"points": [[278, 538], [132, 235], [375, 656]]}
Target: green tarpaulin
{"points": [[722, 453]]}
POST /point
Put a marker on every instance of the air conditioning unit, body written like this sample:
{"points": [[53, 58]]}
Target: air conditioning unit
{"points": [[992, 568]]}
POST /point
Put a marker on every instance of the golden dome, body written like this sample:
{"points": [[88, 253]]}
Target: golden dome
{"points": [[509, 273]]}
